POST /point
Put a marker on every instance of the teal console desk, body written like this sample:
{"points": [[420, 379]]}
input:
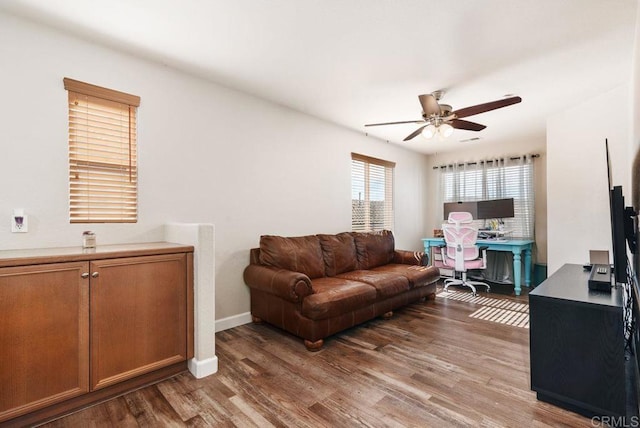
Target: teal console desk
{"points": [[515, 246]]}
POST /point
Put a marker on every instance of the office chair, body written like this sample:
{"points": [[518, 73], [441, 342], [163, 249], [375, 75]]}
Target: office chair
{"points": [[460, 252]]}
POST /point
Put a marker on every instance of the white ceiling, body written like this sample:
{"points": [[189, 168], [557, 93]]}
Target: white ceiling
{"points": [[353, 62]]}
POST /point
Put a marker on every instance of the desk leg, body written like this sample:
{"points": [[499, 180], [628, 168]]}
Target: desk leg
{"points": [[527, 267], [517, 271], [427, 251]]}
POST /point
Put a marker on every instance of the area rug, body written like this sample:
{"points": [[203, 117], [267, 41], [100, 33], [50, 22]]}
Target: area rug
{"points": [[494, 310]]}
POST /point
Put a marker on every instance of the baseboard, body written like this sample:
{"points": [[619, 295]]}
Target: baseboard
{"points": [[203, 368], [233, 321]]}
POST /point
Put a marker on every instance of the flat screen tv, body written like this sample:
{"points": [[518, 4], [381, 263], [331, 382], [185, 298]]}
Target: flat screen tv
{"points": [[616, 205], [624, 232], [622, 227]]}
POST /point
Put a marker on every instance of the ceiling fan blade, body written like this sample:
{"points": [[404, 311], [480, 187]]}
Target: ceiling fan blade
{"points": [[481, 108], [414, 133], [394, 123], [465, 124], [429, 104]]}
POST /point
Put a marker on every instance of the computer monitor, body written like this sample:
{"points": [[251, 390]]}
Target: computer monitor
{"points": [[481, 210], [495, 208], [467, 207]]}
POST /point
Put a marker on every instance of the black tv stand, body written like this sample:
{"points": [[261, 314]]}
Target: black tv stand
{"points": [[578, 347]]}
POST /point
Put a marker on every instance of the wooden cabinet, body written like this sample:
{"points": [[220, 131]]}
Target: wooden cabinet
{"points": [[78, 331], [138, 316], [44, 336]]}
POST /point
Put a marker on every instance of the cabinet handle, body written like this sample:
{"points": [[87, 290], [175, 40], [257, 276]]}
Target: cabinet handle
{"points": [[85, 274], [95, 275]]}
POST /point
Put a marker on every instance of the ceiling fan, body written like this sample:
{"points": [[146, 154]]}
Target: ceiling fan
{"points": [[441, 118]]}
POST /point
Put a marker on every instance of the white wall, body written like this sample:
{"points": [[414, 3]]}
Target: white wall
{"points": [[207, 154], [577, 196], [475, 153]]}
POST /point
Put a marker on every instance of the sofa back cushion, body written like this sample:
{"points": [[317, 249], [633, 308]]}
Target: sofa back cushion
{"points": [[374, 249], [254, 256], [339, 252], [300, 254]]}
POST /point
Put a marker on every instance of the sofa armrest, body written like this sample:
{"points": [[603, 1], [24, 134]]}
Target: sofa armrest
{"points": [[410, 257], [291, 286]]}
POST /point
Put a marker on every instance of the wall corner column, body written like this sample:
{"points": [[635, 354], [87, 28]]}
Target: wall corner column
{"points": [[202, 237]]}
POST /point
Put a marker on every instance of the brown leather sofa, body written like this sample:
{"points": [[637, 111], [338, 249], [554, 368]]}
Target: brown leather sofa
{"points": [[315, 286]]}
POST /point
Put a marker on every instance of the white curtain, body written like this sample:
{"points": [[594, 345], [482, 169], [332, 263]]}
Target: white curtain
{"points": [[494, 179]]}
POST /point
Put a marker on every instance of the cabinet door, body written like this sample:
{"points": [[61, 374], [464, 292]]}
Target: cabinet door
{"points": [[44, 349], [138, 316]]}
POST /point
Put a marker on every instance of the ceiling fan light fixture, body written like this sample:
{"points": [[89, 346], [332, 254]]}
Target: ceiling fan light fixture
{"points": [[429, 131], [441, 119], [445, 130]]}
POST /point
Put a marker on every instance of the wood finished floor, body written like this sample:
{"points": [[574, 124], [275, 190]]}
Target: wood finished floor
{"points": [[429, 366]]}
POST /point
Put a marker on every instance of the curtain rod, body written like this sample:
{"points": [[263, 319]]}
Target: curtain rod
{"points": [[484, 161]]}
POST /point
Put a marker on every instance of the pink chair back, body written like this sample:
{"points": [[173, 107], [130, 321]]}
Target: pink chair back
{"points": [[460, 217], [460, 237]]}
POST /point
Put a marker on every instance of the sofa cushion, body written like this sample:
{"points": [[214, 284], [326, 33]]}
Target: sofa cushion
{"points": [[386, 284], [374, 249], [335, 296], [339, 253], [300, 254], [418, 276]]}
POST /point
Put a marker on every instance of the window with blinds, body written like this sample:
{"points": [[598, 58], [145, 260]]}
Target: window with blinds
{"points": [[371, 193], [103, 173], [495, 179]]}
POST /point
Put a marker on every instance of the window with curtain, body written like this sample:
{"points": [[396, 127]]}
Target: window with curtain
{"points": [[495, 179], [103, 173], [371, 193]]}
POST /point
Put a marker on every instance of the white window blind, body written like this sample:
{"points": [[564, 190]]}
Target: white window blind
{"points": [[495, 179], [371, 193], [103, 173]]}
